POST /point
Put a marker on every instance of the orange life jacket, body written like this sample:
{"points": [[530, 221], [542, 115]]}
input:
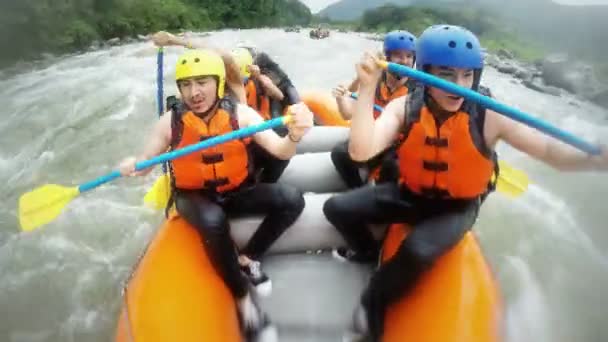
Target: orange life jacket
{"points": [[450, 160], [382, 98], [220, 168], [257, 100], [384, 95]]}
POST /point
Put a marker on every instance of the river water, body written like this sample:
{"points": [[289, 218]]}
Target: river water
{"points": [[73, 118]]}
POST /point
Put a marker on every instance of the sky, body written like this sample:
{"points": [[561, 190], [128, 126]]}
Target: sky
{"points": [[317, 5]]}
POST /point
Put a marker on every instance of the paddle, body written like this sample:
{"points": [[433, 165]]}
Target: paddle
{"points": [[161, 188], [42, 205], [511, 182], [159, 81], [376, 107], [494, 105]]}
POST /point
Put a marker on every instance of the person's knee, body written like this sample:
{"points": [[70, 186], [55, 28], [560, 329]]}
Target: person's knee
{"points": [[335, 208], [289, 198], [213, 220], [338, 156], [340, 150]]}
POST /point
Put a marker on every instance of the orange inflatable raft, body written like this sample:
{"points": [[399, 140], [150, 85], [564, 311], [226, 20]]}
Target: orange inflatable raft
{"points": [[324, 106], [175, 293], [456, 301]]}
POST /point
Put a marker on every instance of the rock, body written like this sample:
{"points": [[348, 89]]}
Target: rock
{"points": [[507, 68], [505, 54], [95, 45], [573, 76], [524, 74], [513, 68], [141, 38], [374, 37], [114, 41], [492, 60], [536, 84], [600, 97]]}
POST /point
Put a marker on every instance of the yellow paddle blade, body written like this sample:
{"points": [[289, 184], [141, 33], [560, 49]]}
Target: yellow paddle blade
{"points": [[158, 196], [511, 182], [42, 205]]}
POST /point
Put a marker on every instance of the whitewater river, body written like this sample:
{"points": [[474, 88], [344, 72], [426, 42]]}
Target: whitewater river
{"points": [[74, 118]]}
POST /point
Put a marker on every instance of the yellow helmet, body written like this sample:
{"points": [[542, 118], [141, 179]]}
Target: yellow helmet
{"points": [[243, 59], [200, 63]]}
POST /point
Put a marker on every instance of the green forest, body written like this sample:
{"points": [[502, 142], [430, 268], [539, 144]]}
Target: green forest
{"points": [[491, 30], [30, 27]]}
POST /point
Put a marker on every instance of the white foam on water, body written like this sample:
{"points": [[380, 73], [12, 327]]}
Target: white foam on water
{"points": [[527, 313], [82, 114]]}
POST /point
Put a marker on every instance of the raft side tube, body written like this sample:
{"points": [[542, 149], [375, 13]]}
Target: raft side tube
{"points": [[457, 300]]}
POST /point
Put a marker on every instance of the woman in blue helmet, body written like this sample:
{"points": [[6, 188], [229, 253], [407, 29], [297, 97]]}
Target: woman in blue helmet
{"points": [[445, 158], [399, 47]]}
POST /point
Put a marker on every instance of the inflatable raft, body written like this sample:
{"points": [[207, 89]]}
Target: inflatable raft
{"points": [[175, 295], [325, 108]]}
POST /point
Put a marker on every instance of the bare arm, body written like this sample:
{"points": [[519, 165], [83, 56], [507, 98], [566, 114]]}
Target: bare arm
{"points": [[159, 139], [540, 146], [157, 142], [354, 85], [282, 148], [270, 88], [233, 74], [346, 106], [368, 137]]}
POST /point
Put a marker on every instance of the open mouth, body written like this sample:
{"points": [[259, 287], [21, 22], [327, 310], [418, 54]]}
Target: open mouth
{"points": [[197, 102]]}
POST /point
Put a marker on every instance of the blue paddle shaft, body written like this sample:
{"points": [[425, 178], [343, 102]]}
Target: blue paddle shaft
{"points": [[159, 87], [159, 81], [496, 106], [220, 139], [376, 107]]}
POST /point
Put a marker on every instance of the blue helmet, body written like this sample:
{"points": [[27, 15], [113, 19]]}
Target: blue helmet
{"points": [[399, 40], [450, 46]]}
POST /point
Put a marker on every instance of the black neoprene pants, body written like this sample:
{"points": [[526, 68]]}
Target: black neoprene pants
{"points": [[348, 169], [270, 167], [438, 225], [281, 205]]}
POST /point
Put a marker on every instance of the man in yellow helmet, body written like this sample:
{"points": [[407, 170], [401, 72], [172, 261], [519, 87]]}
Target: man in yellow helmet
{"points": [[255, 79], [214, 184], [261, 61]]}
